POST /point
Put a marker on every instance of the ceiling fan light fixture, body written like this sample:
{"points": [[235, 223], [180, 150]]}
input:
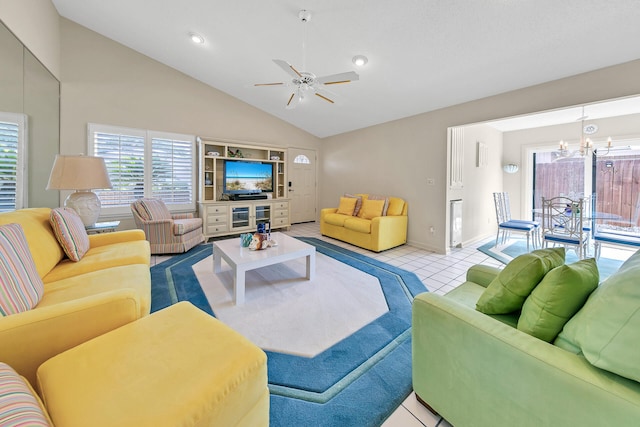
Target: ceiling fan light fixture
{"points": [[360, 60], [196, 38]]}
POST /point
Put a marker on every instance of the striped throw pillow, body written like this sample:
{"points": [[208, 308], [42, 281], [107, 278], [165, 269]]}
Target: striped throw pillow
{"points": [[18, 405], [70, 232], [20, 286]]}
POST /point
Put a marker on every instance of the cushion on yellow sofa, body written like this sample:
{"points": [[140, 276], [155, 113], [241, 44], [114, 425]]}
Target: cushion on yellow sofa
{"points": [[20, 285], [396, 206], [385, 207], [102, 257], [360, 225], [347, 205], [19, 405], [136, 277], [358, 198], [44, 247], [372, 208], [336, 219], [70, 232]]}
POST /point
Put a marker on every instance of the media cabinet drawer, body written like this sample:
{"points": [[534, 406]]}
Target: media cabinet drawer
{"points": [[280, 214], [281, 205], [216, 228], [216, 210], [217, 219], [279, 222]]}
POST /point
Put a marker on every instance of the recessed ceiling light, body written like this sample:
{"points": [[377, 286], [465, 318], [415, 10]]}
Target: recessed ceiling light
{"points": [[196, 38], [360, 60]]}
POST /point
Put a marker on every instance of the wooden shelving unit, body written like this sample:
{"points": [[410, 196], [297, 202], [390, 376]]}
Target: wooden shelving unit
{"points": [[220, 217]]}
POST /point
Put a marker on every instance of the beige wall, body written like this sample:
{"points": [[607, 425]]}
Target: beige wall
{"points": [[478, 216], [35, 23], [398, 157], [105, 82]]}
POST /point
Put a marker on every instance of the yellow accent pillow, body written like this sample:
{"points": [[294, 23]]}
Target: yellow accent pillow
{"points": [[347, 205], [396, 206], [372, 208]]}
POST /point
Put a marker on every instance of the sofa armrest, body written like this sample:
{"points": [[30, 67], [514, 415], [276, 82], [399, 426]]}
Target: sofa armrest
{"points": [[104, 239], [389, 231], [182, 216], [504, 377], [326, 211], [30, 338], [482, 274]]}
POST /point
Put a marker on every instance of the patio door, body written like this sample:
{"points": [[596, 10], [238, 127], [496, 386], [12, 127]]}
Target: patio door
{"points": [[616, 178], [555, 176]]}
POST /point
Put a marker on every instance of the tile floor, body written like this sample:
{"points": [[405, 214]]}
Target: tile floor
{"points": [[439, 273]]}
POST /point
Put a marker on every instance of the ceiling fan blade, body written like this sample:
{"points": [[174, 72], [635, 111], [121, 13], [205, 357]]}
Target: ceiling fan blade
{"points": [[327, 95], [333, 79], [269, 84], [293, 101], [288, 68], [325, 98]]}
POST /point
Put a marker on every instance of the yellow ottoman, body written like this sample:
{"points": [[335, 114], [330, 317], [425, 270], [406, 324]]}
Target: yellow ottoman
{"points": [[176, 367]]}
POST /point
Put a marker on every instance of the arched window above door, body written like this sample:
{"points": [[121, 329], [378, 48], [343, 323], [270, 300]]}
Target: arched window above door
{"points": [[301, 158]]}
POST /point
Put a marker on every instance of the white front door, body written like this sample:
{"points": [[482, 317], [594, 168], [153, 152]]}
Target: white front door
{"points": [[302, 184]]}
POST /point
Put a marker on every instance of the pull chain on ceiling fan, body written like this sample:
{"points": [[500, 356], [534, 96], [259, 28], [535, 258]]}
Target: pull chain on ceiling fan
{"points": [[304, 82]]}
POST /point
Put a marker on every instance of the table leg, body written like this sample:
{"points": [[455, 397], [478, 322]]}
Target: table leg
{"points": [[238, 286], [311, 266], [217, 261]]}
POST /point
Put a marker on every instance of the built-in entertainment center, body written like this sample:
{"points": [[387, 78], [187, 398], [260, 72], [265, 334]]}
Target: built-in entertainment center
{"points": [[240, 186]]}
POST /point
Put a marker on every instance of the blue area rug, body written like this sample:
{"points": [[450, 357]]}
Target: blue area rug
{"points": [[515, 247], [359, 381]]}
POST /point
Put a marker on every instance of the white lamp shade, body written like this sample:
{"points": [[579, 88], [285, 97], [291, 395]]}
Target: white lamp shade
{"points": [[83, 174], [78, 173]]}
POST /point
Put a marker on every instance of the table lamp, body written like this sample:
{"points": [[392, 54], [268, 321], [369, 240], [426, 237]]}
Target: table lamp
{"points": [[82, 174]]}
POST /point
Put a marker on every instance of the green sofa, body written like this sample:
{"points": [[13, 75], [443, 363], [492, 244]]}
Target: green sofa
{"points": [[479, 370]]}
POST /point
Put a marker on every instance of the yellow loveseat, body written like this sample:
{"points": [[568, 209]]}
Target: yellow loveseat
{"points": [[368, 228], [109, 287]]}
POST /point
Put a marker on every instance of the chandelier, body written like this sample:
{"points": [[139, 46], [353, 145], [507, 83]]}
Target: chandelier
{"points": [[586, 144]]}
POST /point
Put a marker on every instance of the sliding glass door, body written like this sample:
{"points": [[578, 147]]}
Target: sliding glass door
{"points": [[555, 175], [616, 178]]}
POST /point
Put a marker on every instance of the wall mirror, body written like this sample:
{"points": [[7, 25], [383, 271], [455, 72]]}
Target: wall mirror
{"points": [[28, 91]]}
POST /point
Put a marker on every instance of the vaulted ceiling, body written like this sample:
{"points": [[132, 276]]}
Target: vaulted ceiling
{"points": [[422, 54]]}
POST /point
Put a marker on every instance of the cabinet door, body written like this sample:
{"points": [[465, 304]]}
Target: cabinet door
{"points": [[240, 217], [263, 213]]}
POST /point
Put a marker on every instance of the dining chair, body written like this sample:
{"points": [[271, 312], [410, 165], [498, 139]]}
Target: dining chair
{"points": [[563, 224], [508, 225]]}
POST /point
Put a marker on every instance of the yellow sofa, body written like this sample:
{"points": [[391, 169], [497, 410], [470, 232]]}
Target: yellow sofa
{"points": [[177, 367], [376, 234], [109, 287]]}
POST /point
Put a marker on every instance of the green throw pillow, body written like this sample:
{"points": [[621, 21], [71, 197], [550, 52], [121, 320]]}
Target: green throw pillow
{"points": [[507, 292], [607, 328], [560, 294]]}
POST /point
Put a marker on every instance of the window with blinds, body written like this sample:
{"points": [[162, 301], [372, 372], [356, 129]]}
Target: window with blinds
{"points": [[144, 164], [12, 153]]}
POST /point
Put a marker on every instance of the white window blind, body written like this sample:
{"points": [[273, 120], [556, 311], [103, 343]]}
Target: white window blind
{"points": [[144, 164], [12, 161], [172, 169]]}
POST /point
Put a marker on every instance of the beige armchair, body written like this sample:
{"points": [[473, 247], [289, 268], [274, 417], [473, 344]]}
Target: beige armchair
{"points": [[165, 232]]}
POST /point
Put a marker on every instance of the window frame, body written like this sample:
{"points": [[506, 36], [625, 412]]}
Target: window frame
{"points": [[22, 184], [148, 136]]}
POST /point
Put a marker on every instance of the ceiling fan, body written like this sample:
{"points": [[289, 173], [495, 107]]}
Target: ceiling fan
{"points": [[304, 83]]}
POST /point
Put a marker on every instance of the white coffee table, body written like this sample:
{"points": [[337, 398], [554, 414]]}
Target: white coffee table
{"points": [[243, 259]]}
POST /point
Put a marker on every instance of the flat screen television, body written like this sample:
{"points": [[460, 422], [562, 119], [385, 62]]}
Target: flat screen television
{"points": [[247, 177]]}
